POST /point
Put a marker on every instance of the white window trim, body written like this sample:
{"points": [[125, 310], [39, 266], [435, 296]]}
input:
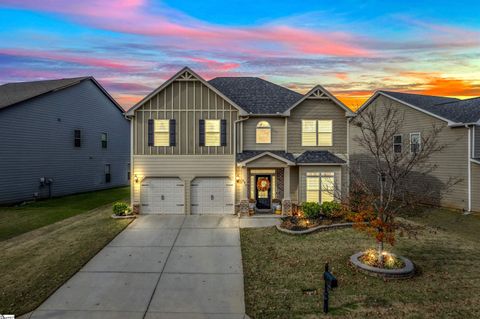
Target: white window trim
{"points": [[401, 143], [269, 128], [219, 133], [317, 132], [419, 140], [320, 176]]}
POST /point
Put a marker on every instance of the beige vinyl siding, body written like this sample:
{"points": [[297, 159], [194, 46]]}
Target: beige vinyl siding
{"points": [[187, 102], [303, 170], [475, 187], [277, 134], [186, 167], [452, 161], [317, 109]]}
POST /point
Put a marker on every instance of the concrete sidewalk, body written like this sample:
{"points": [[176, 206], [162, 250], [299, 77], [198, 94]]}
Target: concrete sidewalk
{"points": [[161, 266]]}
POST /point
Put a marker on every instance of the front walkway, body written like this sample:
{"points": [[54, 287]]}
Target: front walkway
{"points": [[159, 267]]}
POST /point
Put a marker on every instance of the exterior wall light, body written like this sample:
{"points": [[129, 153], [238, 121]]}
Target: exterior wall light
{"points": [[135, 178]]}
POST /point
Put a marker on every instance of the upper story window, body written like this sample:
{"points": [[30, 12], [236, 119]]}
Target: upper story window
{"points": [[263, 133], [104, 140], [161, 130], [77, 139], [212, 132], [397, 143], [415, 142], [317, 132]]}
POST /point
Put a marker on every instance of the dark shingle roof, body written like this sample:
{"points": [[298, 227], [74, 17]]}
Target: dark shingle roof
{"points": [[314, 157], [463, 111], [245, 155], [12, 93], [256, 95], [323, 157], [455, 110]]}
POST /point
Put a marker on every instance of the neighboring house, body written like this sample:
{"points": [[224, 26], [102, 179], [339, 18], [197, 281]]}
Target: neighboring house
{"points": [[459, 121], [202, 147], [60, 137]]}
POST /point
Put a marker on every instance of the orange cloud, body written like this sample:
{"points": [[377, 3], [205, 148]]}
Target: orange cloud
{"points": [[342, 76]]}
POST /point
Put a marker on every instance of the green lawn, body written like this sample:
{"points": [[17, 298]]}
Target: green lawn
{"points": [[33, 265], [278, 267], [18, 220]]}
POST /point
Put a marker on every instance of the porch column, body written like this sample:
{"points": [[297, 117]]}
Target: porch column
{"points": [[244, 181], [286, 183]]}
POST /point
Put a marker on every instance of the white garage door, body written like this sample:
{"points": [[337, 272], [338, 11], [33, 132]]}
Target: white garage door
{"points": [[162, 196], [212, 195]]}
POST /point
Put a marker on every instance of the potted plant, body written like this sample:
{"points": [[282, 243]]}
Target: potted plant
{"points": [[277, 206], [251, 206], [122, 210]]}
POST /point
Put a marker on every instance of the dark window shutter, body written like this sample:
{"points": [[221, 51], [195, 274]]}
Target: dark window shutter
{"points": [[223, 132], [150, 132], [201, 132], [172, 132]]}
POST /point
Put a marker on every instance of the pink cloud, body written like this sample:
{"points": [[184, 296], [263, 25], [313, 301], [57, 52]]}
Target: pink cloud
{"points": [[136, 17], [216, 65], [126, 66]]}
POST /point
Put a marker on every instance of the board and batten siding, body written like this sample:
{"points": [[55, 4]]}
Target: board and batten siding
{"points": [[317, 109], [186, 101], [277, 134], [185, 167], [452, 161], [476, 141], [37, 140]]}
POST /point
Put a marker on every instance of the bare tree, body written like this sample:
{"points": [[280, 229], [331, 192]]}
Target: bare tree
{"points": [[392, 174]]}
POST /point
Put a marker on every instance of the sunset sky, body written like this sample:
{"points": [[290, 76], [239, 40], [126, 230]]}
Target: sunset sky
{"points": [[350, 47]]}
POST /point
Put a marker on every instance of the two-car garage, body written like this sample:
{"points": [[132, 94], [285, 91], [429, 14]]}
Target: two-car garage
{"points": [[167, 195]]}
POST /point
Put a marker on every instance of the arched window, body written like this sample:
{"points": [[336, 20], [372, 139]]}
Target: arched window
{"points": [[264, 133]]}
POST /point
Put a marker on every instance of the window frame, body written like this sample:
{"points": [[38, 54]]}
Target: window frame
{"points": [[104, 142], [219, 133], [108, 173], [398, 143], [77, 140], [156, 130], [419, 142], [320, 188], [317, 133], [267, 128]]}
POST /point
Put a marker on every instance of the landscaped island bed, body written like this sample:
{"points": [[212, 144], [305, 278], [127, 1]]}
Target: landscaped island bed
{"points": [[278, 268], [36, 263]]}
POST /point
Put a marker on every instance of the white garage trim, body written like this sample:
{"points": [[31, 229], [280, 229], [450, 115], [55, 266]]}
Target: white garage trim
{"points": [[213, 195]]}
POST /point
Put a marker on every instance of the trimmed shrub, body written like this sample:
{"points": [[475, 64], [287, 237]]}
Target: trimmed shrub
{"points": [[311, 210], [331, 209], [121, 209]]}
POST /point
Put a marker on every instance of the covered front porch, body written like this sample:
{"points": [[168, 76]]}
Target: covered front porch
{"points": [[276, 182]]}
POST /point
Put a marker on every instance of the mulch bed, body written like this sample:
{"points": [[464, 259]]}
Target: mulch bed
{"points": [[300, 223]]}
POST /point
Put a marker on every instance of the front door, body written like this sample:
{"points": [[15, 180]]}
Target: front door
{"points": [[263, 191]]}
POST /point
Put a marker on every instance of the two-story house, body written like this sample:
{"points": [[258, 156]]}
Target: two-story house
{"points": [[456, 177], [60, 137], [202, 147]]}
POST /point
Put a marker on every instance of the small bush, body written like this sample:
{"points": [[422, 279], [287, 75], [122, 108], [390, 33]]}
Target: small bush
{"points": [[331, 209], [311, 210], [121, 209]]}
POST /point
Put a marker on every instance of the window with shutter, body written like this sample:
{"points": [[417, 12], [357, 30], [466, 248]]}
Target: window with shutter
{"points": [[161, 132], [212, 132]]}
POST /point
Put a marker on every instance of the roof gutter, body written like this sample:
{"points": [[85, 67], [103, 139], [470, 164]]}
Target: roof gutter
{"points": [[469, 167], [235, 135]]}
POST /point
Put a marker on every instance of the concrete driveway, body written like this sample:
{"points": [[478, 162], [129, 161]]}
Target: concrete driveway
{"points": [[159, 267]]}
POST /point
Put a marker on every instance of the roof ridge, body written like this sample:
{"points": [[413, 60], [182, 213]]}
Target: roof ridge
{"points": [[458, 100], [49, 80], [445, 97]]}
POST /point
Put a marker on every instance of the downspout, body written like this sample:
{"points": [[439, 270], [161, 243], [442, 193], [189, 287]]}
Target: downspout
{"points": [[132, 175], [235, 152], [469, 169]]}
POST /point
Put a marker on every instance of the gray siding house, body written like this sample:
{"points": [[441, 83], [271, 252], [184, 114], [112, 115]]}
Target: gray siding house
{"points": [[60, 137], [208, 147], [459, 121]]}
